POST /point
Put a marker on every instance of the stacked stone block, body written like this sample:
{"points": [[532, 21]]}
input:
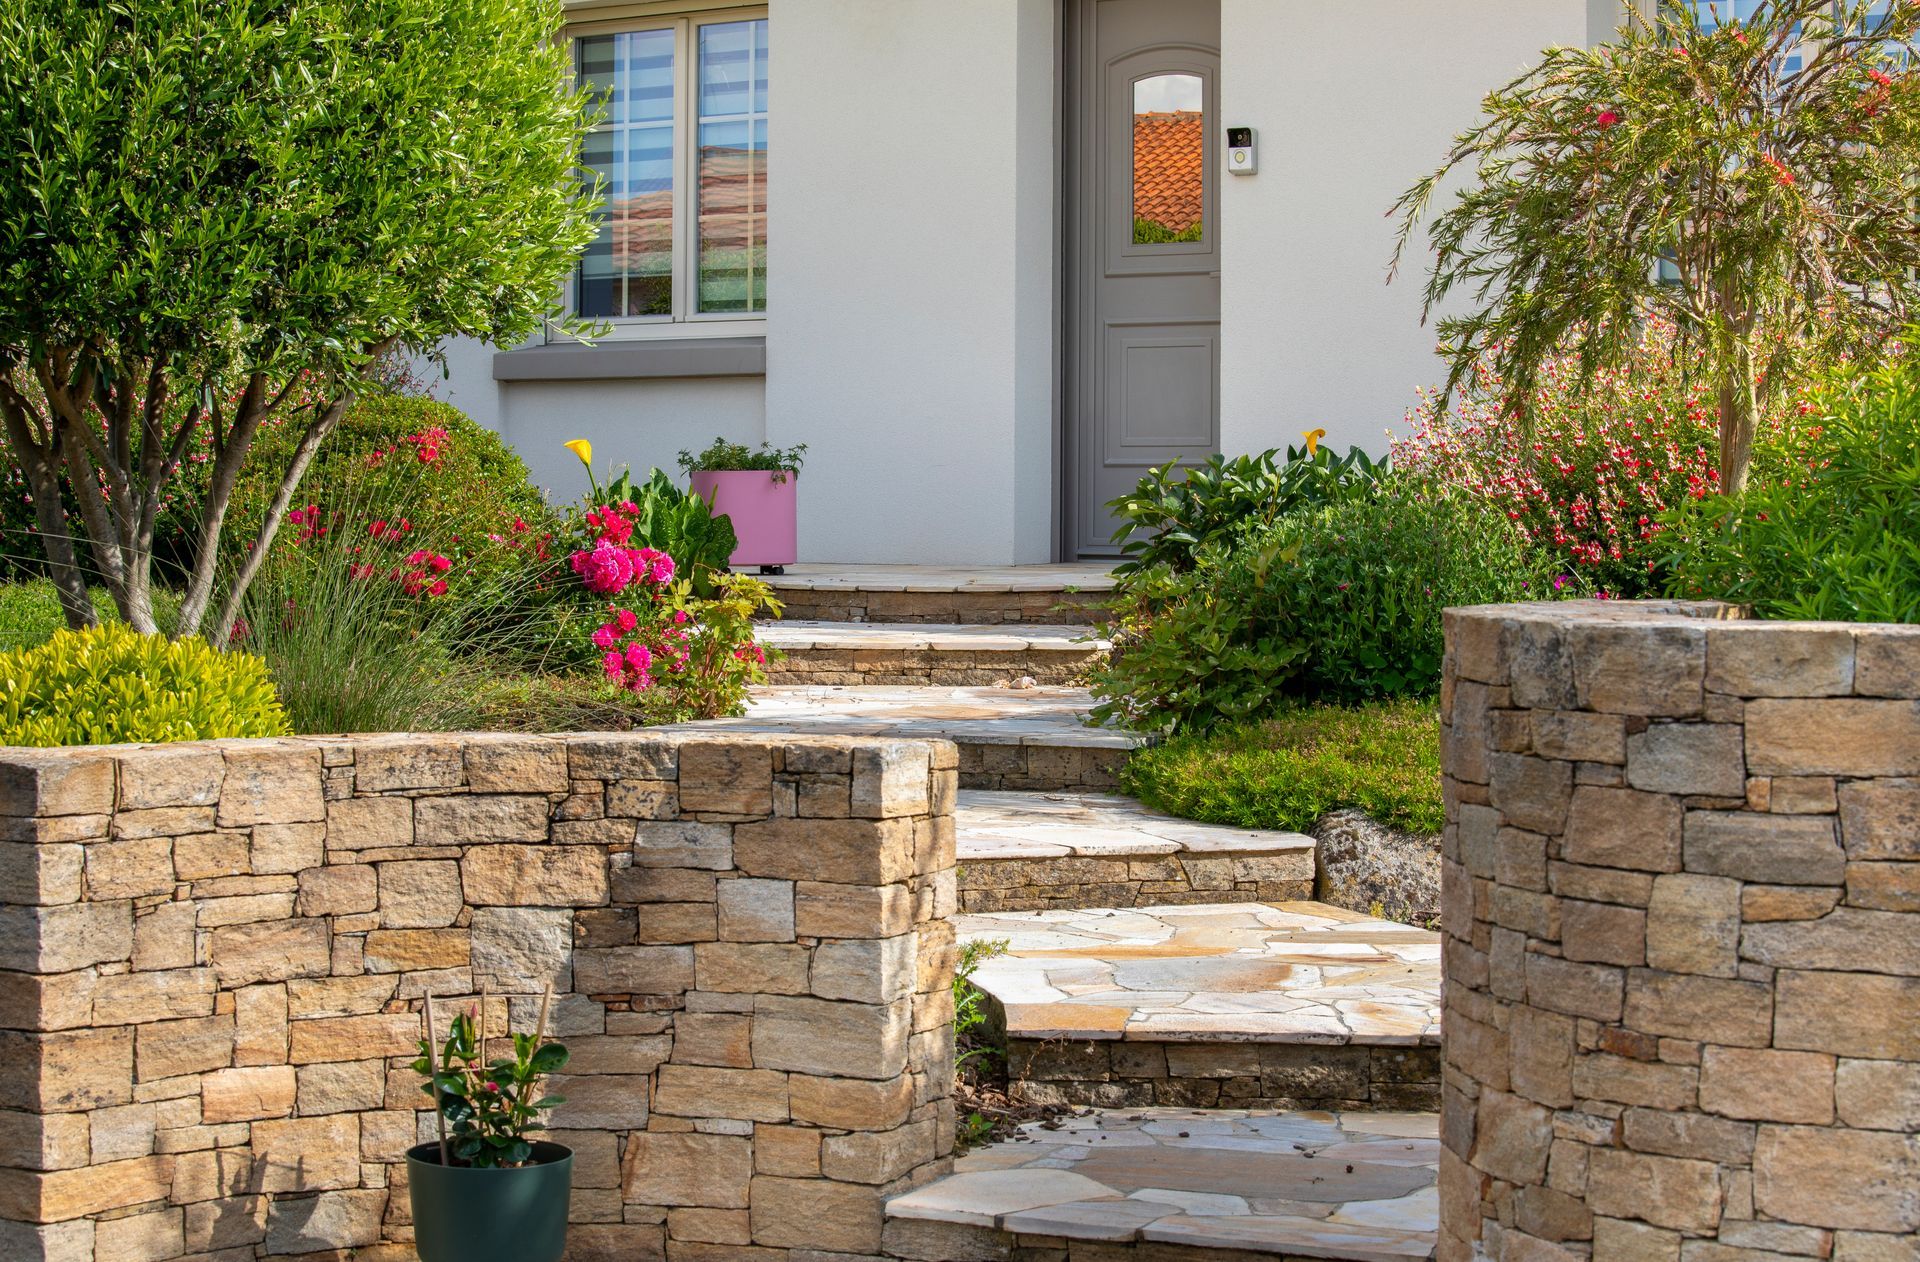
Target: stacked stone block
{"points": [[1134, 1073], [929, 668], [971, 607], [1682, 937], [1045, 768], [213, 959]]}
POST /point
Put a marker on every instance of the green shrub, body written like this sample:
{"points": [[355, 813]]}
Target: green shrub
{"points": [[1837, 539], [1289, 770], [111, 685], [1176, 511], [1337, 601]]}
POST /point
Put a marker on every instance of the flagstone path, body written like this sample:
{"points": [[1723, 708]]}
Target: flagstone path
{"points": [[1358, 1186]]}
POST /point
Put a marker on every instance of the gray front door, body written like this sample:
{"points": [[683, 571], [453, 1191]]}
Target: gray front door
{"points": [[1142, 355]]}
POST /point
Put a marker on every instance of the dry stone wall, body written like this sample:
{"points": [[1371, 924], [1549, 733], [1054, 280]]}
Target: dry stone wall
{"points": [[1681, 905], [213, 958]]}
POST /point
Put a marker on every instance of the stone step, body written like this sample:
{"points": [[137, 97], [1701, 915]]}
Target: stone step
{"points": [[1294, 1005], [921, 654], [973, 594], [1181, 1185], [1039, 851], [1009, 738]]}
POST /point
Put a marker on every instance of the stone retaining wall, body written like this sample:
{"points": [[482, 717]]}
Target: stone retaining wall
{"points": [[1042, 768], [212, 959], [1045, 884], [1130, 1073], [1682, 918], [928, 668]]}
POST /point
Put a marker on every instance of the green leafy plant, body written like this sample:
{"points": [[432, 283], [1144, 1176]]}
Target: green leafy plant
{"points": [[1749, 179], [1835, 537], [679, 523], [1339, 600], [1288, 770], [1177, 510], [492, 1105], [110, 684], [248, 207], [722, 456], [970, 1004], [1153, 232]]}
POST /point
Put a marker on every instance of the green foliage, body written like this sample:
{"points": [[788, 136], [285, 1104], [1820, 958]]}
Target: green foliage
{"points": [[1339, 600], [207, 207], [490, 1106], [1287, 771], [1153, 232], [1175, 510], [722, 456], [112, 685], [1753, 184], [30, 611], [679, 523], [970, 1004], [1837, 537]]}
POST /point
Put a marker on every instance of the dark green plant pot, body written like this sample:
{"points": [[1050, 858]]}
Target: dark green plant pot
{"points": [[465, 1215]]}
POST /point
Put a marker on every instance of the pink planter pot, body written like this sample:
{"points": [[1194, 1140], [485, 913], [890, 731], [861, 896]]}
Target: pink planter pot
{"points": [[764, 509]]}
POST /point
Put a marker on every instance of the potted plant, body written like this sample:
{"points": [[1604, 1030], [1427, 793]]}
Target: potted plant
{"points": [[756, 489], [484, 1191]]}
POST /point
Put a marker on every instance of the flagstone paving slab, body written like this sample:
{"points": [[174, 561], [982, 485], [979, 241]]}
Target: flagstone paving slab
{"points": [[1352, 1186], [1053, 717], [1058, 825], [1295, 972], [908, 654]]}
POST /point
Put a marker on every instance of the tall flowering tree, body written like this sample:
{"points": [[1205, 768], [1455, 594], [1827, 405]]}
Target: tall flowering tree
{"points": [[215, 212], [1752, 180]]}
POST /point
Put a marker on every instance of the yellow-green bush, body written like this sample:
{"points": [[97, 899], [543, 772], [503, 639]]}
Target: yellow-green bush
{"points": [[112, 685]]}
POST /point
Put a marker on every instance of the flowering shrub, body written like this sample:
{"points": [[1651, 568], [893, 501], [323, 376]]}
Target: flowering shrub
{"points": [[658, 637], [1338, 601], [1588, 470], [1832, 533]]}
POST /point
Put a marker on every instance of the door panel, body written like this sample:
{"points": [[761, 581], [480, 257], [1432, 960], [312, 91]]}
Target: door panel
{"points": [[1142, 245]]}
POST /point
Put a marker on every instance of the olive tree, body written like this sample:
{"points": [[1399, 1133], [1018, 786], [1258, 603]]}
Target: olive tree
{"points": [[1752, 180], [217, 213]]}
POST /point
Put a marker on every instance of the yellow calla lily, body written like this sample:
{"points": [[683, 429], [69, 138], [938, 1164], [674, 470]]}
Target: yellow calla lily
{"points": [[1313, 437], [583, 449]]}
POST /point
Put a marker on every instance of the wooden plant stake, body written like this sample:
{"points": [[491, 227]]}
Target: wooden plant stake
{"points": [[433, 1068]]}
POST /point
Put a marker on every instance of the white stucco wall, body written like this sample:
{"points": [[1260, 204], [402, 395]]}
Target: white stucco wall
{"points": [[911, 277], [1352, 103], [641, 424]]}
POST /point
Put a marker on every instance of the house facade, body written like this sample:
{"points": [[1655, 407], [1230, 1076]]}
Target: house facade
{"points": [[991, 259]]}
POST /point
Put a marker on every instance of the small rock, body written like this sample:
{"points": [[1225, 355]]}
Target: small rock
{"points": [[1364, 866]]}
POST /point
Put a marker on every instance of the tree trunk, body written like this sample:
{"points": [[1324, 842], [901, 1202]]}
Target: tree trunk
{"points": [[1739, 412], [42, 467]]}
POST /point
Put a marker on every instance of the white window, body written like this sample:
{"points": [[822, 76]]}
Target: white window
{"points": [[681, 149]]}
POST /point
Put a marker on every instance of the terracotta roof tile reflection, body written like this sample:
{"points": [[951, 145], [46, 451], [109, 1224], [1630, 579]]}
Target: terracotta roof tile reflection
{"points": [[1169, 157]]}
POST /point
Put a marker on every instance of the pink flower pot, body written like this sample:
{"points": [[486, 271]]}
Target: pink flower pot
{"points": [[764, 509]]}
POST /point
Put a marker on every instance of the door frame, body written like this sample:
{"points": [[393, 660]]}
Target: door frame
{"points": [[1078, 250]]}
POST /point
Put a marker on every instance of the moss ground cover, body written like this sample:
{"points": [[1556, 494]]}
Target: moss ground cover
{"points": [[1287, 770]]}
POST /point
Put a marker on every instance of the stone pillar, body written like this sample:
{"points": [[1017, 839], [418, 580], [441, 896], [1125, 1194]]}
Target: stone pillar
{"points": [[213, 957], [1682, 937]]}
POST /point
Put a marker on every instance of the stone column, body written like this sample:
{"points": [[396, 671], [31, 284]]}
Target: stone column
{"points": [[1682, 937]]}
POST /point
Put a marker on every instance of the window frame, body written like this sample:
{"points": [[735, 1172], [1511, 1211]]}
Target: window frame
{"points": [[686, 320]]}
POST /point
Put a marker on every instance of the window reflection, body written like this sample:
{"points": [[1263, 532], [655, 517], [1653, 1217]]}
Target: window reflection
{"points": [[1169, 159], [628, 270], [733, 166]]}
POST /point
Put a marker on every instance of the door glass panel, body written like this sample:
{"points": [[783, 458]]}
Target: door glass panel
{"points": [[628, 270], [1169, 159]]}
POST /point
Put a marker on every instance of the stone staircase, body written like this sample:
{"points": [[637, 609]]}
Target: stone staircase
{"points": [[1255, 1075]]}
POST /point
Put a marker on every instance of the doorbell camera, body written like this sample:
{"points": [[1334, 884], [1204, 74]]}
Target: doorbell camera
{"points": [[1241, 159]]}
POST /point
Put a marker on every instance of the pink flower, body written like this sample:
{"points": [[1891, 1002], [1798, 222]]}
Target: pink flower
{"points": [[439, 564], [439, 588], [614, 664], [1607, 119], [606, 569], [606, 637], [659, 564], [628, 621], [679, 616], [638, 657]]}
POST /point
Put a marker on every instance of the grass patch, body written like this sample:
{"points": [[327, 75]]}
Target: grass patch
{"points": [[1286, 771], [30, 611]]}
